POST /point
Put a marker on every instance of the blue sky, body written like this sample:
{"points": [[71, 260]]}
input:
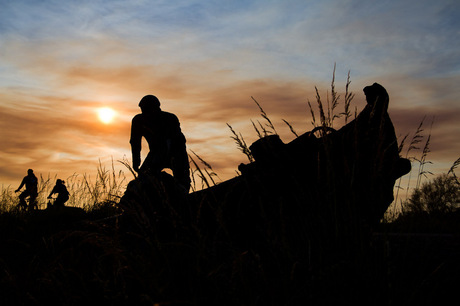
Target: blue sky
{"points": [[61, 60]]}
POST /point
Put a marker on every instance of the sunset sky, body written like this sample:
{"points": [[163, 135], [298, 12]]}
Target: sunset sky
{"points": [[61, 61]]}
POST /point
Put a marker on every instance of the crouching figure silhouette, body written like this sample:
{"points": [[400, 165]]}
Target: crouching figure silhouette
{"points": [[63, 194], [166, 142]]}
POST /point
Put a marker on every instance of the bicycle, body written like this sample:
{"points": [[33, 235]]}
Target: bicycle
{"points": [[53, 205], [27, 203]]}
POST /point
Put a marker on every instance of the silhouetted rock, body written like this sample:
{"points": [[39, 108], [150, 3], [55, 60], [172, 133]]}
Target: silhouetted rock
{"points": [[325, 183], [155, 204], [341, 179], [299, 216]]}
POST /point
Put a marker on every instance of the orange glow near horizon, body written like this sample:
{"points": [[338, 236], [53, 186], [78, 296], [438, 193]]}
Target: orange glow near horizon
{"points": [[106, 114]]}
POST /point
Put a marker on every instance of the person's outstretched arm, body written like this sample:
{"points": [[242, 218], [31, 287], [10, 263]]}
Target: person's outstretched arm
{"points": [[22, 184]]}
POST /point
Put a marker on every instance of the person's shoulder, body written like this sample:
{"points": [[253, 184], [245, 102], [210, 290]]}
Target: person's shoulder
{"points": [[169, 116], [137, 118]]}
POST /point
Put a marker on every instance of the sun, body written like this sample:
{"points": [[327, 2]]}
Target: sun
{"points": [[106, 114]]}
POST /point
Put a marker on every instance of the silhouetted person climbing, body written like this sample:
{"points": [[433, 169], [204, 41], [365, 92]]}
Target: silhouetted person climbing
{"points": [[31, 183], [165, 139], [63, 194]]}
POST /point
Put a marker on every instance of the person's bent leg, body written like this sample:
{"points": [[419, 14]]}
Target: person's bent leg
{"points": [[22, 199], [33, 202], [181, 171]]}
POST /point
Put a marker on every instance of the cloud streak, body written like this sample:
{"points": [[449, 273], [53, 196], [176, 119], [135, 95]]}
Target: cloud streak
{"points": [[61, 60]]}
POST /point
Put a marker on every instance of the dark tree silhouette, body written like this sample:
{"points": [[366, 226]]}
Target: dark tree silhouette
{"points": [[440, 195]]}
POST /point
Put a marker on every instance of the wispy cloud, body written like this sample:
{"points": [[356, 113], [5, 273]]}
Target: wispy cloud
{"points": [[60, 60]]}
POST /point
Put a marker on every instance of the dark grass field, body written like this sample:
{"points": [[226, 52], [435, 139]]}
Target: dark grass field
{"points": [[76, 257]]}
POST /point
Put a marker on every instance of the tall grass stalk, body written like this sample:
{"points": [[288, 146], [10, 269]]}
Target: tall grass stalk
{"points": [[452, 170], [423, 161], [241, 143], [334, 101], [312, 113], [206, 175], [322, 116], [269, 123], [125, 162], [6, 198], [328, 116], [411, 154], [291, 128], [262, 130], [348, 98], [413, 145]]}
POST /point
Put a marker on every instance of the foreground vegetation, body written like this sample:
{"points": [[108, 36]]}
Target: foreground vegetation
{"points": [[98, 255]]}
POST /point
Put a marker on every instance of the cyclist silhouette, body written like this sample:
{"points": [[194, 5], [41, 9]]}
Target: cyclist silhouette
{"points": [[31, 191], [167, 148], [63, 194]]}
